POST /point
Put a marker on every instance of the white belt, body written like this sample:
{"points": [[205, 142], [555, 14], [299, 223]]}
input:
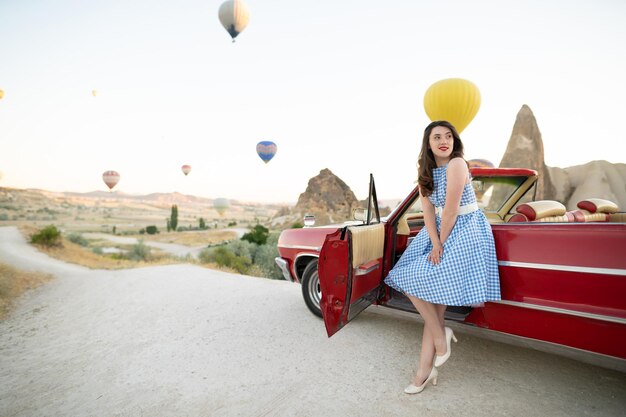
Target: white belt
{"points": [[466, 209]]}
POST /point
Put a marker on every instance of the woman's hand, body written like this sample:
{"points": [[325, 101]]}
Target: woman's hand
{"points": [[435, 254]]}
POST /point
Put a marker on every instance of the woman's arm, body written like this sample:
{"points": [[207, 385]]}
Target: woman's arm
{"points": [[431, 228], [456, 178]]}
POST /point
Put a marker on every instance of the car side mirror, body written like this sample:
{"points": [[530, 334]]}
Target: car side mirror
{"points": [[309, 220], [359, 214]]}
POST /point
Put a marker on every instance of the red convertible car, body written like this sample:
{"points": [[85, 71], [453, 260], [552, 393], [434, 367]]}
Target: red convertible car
{"points": [[562, 274]]}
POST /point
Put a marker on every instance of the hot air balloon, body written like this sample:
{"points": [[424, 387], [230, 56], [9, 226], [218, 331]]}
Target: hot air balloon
{"points": [[1, 94], [266, 150], [110, 178], [480, 163], [221, 204], [94, 93], [186, 169], [454, 99], [234, 15]]}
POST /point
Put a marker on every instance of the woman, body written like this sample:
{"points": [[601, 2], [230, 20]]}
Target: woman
{"points": [[452, 261]]}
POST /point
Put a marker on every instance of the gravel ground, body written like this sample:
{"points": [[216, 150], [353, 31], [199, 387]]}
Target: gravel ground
{"points": [[181, 340]]}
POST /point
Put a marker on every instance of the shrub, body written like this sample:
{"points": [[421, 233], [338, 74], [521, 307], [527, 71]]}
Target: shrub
{"points": [[206, 256], [139, 252], [97, 250], [297, 225], [78, 239], [48, 236], [223, 256], [257, 235], [4, 216], [152, 230], [264, 258], [242, 248]]}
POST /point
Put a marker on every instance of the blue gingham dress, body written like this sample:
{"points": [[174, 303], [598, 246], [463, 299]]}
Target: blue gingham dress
{"points": [[468, 271]]}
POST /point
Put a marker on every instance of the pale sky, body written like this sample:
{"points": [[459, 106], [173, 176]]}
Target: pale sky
{"points": [[335, 84]]}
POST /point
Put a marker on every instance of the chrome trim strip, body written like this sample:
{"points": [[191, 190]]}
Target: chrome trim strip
{"points": [[315, 248], [570, 268], [563, 311], [360, 271]]}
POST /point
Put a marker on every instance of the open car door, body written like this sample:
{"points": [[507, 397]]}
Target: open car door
{"points": [[350, 268]]}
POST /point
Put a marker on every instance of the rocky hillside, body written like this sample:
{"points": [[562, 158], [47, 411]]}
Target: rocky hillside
{"points": [[596, 179], [328, 198]]}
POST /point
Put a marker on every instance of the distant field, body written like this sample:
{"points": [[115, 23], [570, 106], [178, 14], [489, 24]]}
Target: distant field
{"points": [[126, 215], [191, 238]]}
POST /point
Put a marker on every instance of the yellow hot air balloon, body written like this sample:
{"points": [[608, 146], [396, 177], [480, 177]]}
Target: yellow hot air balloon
{"points": [[94, 93], [234, 16], [1, 94], [453, 99]]}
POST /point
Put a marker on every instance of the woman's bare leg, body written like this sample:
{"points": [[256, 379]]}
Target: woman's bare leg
{"points": [[433, 335]]}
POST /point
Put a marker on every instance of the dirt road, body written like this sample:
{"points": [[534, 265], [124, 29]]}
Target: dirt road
{"points": [[181, 340]]}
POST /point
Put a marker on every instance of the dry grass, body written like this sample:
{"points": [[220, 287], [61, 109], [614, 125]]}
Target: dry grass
{"points": [[191, 238], [14, 282], [76, 254]]}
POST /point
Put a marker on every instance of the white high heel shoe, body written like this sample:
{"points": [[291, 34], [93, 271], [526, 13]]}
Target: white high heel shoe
{"points": [[414, 389], [440, 360]]}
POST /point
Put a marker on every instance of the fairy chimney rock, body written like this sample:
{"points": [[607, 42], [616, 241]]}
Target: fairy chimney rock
{"points": [[525, 150], [328, 197]]}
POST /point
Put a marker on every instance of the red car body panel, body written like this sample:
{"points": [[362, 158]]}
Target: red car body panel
{"points": [[561, 283]]}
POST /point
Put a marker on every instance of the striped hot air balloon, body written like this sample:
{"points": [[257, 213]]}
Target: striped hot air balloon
{"points": [[480, 163], [110, 178], [266, 150], [234, 16]]}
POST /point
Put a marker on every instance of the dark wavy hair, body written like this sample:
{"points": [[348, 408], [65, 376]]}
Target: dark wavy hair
{"points": [[427, 163]]}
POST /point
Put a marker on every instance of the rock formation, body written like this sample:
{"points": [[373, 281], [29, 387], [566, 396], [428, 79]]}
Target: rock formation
{"points": [[525, 150], [328, 198], [597, 179]]}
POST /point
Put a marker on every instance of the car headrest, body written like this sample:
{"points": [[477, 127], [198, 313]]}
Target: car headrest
{"points": [[598, 205], [536, 210]]}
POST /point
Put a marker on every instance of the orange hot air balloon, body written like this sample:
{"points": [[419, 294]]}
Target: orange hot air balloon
{"points": [[454, 99], [186, 169], [110, 178]]}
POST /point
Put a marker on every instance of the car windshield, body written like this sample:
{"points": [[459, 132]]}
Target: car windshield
{"points": [[493, 192]]}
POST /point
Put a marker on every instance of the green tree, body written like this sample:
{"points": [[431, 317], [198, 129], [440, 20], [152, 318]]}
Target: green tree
{"points": [[257, 235], [201, 223], [48, 236], [174, 217], [151, 230]]}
